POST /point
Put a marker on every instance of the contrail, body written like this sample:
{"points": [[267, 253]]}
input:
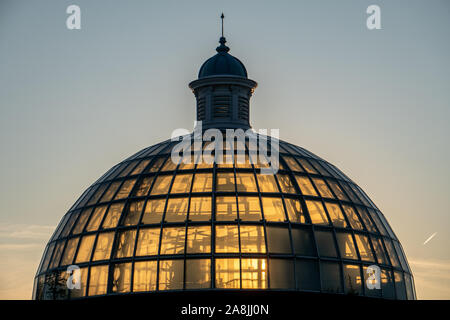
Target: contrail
{"points": [[431, 237]]}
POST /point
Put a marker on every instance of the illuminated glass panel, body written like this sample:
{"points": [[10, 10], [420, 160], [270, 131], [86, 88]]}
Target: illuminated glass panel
{"points": [[227, 239], [125, 243], [169, 165], [337, 190], [161, 185], [245, 182], [249, 208], [98, 280], [202, 182], [140, 167], [293, 165], [391, 253], [281, 274], [94, 199], [273, 209], [324, 191], [79, 226], [325, 243], [85, 250], [57, 255], [133, 213], [121, 277], [285, 183], [144, 278], [96, 218], [252, 239], [308, 167], [156, 165], [198, 239], [125, 189], [154, 210], [352, 217], [278, 240], [371, 277], [69, 252], [346, 245], [254, 273], [176, 209], [352, 279], [225, 182], [103, 246], [143, 186], [200, 209], [172, 241], [228, 273], [198, 273], [330, 274], [267, 183], [306, 186], [379, 250], [148, 242], [226, 209], [182, 183], [113, 215], [171, 274], [109, 194], [336, 216], [81, 292], [365, 251], [294, 210], [317, 212]]}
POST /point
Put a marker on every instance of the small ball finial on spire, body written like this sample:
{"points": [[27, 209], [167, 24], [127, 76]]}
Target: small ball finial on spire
{"points": [[222, 41]]}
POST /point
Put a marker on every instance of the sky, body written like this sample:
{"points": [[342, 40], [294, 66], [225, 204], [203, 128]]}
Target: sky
{"points": [[375, 103]]}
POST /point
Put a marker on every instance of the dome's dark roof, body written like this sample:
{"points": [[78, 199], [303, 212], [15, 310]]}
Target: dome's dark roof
{"points": [[222, 63]]}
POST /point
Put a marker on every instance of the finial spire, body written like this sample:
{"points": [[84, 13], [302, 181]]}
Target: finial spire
{"points": [[222, 17], [222, 41]]}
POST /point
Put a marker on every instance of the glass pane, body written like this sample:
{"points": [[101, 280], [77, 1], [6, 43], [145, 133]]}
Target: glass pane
{"points": [[319, 168], [400, 288], [293, 165], [278, 240], [365, 218], [99, 193], [125, 243], [140, 167], [176, 209], [365, 251], [79, 226], [85, 250], [143, 186], [379, 250], [225, 182], [352, 279], [273, 209], [169, 165], [346, 246], [378, 222], [325, 192], [249, 209], [113, 215], [307, 275], [391, 253], [227, 239], [109, 194], [125, 189], [409, 289], [226, 209], [285, 183], [202, 182], [161, 185], [352, 217], [154, 210], [308, 167], [317, 212], [281, 274], [303, 241], [198, 273], [252, 239], [387, 284], [199, 240], [294, 210], [76, 293], [133, 213], [98, 280], [103, 246], [144, 278], [148, 242], [228, 273], [371, 278], [331, 277], [325, 243], [337, 190], [306, 186], [96, 218], [69, 252], [400, 255], [336, 215], [182, 183], [69, 225], [171, 274], [254, 273], [156, 165], [57, 255], [122, 278], [245, 182], [172, 241], [200, 209], [267, 183]]}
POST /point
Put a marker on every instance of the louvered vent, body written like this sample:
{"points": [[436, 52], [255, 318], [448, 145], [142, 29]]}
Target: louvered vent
{"points": [[201, 105], [243, 108], [222, 106]]}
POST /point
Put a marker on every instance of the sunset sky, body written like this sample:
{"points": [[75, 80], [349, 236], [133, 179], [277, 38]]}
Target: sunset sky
{"points": [[375, 103]]}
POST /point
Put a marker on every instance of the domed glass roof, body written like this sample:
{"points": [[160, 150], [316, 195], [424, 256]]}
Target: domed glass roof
{"points": [[149, 224]]}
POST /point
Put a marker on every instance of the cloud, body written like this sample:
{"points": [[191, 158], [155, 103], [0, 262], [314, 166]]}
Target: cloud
{"points": [[25, 231], [432, 278]]}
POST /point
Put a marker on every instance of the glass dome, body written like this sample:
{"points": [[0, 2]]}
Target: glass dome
{"points": [[151, 225]]}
